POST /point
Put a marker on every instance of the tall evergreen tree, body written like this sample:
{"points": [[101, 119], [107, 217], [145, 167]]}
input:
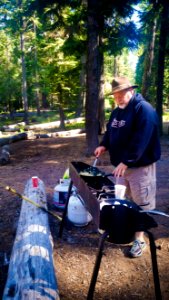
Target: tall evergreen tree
{"points": [[164, 29], [98, 12], [152, 63]]}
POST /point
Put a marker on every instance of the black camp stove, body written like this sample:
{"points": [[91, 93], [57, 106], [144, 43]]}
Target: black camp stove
{"points": [[119, 219], [91, 186]]}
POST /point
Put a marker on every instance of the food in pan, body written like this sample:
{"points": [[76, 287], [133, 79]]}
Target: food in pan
{"points": [[91, 171]]}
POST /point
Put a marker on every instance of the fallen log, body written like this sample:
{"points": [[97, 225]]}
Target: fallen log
{"points": [[52, 124], [8, 129], [64, 133], [31, 274], [13, 127], [13, 138], [5, 155]]}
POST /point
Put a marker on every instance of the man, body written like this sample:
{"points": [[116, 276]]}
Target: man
{"points": [[133, 144]]}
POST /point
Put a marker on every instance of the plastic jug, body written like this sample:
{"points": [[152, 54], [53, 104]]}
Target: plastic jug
{"points": [[61, 192], [77, 213]]}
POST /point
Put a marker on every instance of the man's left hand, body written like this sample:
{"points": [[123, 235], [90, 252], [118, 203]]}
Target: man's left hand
{"points": [[120, 170]]}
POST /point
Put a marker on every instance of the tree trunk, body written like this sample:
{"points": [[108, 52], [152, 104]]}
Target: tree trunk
{"points": [[101, 113], [101, 109], [24, 81], [149, 57], [81, 97], [116, 73], [93, 78], [45, 103], [62, 118], [37, 93], [161, 61]]}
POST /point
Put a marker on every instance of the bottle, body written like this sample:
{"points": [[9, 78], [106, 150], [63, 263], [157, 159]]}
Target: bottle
{"points": [[61, 193], [66, 174], [77, 213]]}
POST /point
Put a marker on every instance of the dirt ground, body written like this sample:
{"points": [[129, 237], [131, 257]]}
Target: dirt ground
{"points": [[74, 255]]}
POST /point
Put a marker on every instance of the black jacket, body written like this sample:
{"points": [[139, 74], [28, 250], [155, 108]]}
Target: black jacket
{"points": [[132, 134]]}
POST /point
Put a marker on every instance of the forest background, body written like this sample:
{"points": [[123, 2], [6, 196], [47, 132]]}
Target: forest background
{"points": [[62, 56]]}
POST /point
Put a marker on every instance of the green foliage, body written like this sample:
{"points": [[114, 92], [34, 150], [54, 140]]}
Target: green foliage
{"points": [[56, 38], [9, 74], [124, 67], [75, 125], [166, 116], [119, 34], [148, 14], [50, 69]]}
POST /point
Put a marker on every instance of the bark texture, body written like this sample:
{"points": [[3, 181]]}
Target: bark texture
{"points": [[31, 272]]}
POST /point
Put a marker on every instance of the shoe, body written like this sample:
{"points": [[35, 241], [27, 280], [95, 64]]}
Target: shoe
{"points": [[137, 248]]}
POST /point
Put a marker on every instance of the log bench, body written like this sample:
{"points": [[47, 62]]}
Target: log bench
{"points": [[31, 274]]}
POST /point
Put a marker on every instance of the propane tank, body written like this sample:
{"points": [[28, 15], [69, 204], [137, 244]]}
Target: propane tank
{"points": [[61, 192], [77, 213]]}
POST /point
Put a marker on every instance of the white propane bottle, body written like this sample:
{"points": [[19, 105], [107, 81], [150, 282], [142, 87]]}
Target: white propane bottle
{"points": [[61, 192], [77, 213]]}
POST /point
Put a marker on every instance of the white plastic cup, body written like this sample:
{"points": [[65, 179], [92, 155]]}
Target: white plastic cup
{"points": [[120, 191]]}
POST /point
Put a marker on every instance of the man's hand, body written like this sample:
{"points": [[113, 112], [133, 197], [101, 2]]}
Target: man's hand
{"points": [[99, 150], [120, 170]]}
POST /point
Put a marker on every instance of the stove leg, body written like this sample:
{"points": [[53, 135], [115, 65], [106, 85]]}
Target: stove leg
{"points": [[65, 210], [97, 266], [154, 266]]}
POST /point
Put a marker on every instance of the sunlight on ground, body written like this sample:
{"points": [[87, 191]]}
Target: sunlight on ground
{"points": [[58, 146], [55, 162]]}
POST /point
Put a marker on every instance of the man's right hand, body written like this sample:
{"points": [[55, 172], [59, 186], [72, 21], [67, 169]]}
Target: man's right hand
{"points": [[99, 150]]}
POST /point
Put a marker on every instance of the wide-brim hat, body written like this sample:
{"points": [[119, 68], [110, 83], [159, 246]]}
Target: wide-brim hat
{"points": [[120, 84]]}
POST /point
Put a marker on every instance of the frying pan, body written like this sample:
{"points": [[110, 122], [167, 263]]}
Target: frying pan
{"points": [[96, 178], [93, 176]]}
